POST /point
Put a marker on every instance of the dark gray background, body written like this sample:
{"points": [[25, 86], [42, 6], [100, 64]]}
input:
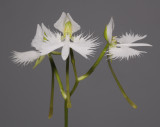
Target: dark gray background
{"points": [[25, 93]]}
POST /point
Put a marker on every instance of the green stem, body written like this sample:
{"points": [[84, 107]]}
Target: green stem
{"points": [[89, 71], [52, 94], [57, 76], [67, 84], [73, 64], [75, 72], [65, 114], [121, 88], [74, 87], [95, 64]]}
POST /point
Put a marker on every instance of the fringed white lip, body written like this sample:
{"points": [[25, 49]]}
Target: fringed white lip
{"points": [[25, 57], [124, 53], [123, 50], [84, 45]]}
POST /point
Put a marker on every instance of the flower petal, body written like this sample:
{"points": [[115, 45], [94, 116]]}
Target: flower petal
{"points": [[110, 28], [37, 41], [132, 44], [65, 51], [46, 30], [75, 26], [123, 53], [25, 57], [61, 22], [84, 45], [54, 42], [130, 38]]}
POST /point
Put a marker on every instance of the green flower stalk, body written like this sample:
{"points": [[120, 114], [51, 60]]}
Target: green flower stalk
{"points": [[57, 76], [121, 88], [67, 84], [52, 91], [89, 72]]}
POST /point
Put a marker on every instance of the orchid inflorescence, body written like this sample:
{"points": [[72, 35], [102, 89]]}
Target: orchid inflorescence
{"points": [[47, 42]]}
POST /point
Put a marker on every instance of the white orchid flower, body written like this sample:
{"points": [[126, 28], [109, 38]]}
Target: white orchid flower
{"points": [[120, 48], [46, 41]]}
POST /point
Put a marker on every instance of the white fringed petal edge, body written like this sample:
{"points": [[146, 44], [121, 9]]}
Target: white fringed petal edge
{"points": [[123, 53], [25, 58]]}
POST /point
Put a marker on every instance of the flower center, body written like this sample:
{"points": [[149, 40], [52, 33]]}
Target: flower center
{"points": [[113, 42], [68, 29]]}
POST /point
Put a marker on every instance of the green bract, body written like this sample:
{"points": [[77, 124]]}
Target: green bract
{"points": [[105, 34], [38, 61]]}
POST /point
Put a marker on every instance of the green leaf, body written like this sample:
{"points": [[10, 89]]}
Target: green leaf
{"points": [[38, 61]]}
